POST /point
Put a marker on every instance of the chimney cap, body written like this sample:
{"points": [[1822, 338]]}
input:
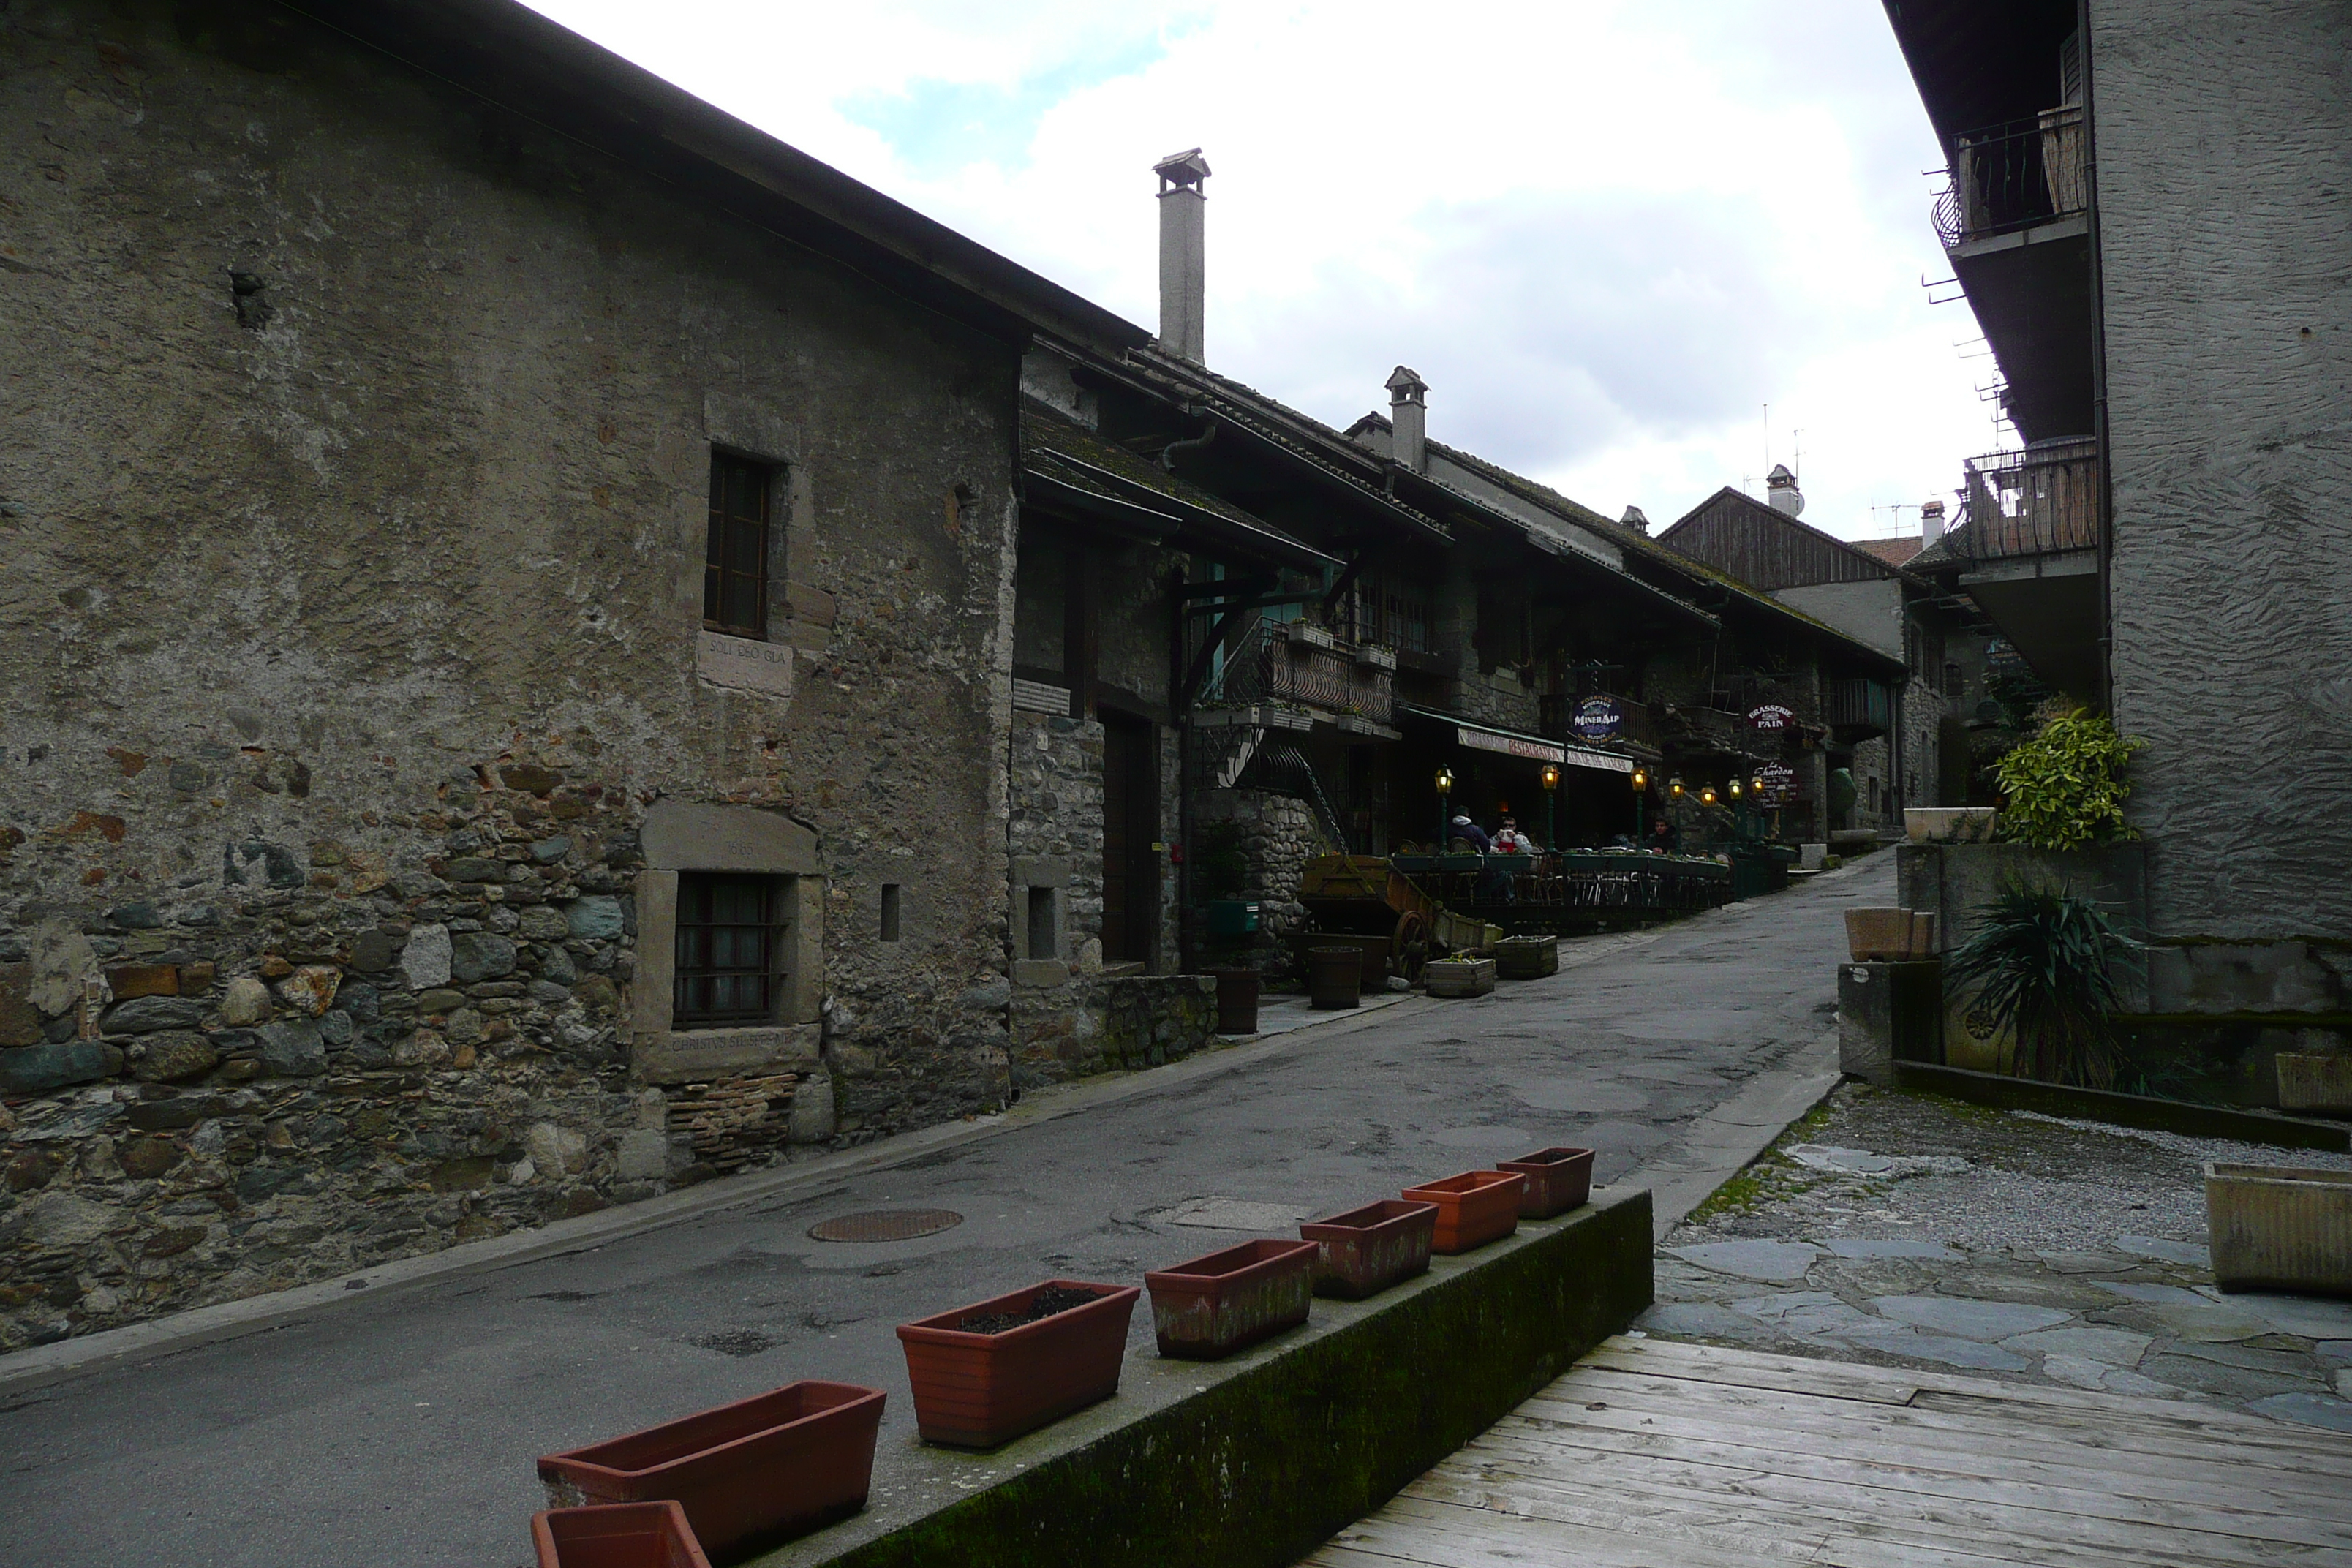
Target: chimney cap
{"points": [[1636, 519], [1931, 509], [1181, 170], [1405, 385], [1780, 475]]}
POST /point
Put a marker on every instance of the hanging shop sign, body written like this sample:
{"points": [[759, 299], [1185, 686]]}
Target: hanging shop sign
{"points": [[1771, 718], [1598, 718], [1779, 785], [1509, 745]]}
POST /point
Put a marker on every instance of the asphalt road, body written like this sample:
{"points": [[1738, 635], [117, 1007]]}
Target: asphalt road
{"points": [[400, 1431]]}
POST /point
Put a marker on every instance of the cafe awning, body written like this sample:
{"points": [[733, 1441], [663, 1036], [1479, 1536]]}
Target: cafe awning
{"points": [[1513, 743]]}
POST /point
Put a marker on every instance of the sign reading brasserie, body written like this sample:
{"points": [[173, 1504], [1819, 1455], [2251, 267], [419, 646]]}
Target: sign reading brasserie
{"points": [[1771, 718], [1598, 718]]}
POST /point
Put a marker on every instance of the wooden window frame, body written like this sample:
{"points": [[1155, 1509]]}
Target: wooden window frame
{"points": [[696, 970], [737, 535]]}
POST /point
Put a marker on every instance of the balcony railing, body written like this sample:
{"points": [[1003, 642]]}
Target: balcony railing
{"points": [[1294, 662], [2013, 176], [2044, 500], [1856, 702]]}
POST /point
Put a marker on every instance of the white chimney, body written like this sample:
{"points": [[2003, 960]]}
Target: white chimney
{"points": [[1183, 264], [1636, 519], [1781, 487], [1408, 419], [1931, 523]]}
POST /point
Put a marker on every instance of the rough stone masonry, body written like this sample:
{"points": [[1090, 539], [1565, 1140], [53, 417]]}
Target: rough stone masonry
{"points": [[354, 458]]}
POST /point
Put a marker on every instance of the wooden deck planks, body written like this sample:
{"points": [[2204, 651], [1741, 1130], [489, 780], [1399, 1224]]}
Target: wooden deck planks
{"points": [[1654, 1454]]}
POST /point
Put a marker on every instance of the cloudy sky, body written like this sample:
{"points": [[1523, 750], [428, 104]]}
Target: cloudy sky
{"points": [[1608, 235]]}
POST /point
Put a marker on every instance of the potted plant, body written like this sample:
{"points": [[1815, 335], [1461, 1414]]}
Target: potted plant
{"points": [[1365, 1250], [1473, 1208], [1458, 977], [2041, 962], [2064, 788], [1232, 1298], [985, 1373], [618, 1535], [1558, 1180], [748, 1475]]}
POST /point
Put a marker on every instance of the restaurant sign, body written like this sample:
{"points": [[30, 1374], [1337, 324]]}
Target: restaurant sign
{"points": [[1771, 718], [1510, 746], [1598, 718], [1779, 785]]}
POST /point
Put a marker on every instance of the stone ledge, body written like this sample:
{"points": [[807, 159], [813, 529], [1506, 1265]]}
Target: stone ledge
{"points": [[2006, 1093], [699, 1054], [1254, 1461]]}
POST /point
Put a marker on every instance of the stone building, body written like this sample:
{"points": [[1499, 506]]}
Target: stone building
{"points": [[1896, 757], [2141, 191], [511, 575]]}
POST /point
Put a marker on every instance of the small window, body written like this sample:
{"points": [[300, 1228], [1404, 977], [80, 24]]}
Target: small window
{"points": [[1042, 944], [1956, 683], [727, 947], [735, 560], [889, 912]]}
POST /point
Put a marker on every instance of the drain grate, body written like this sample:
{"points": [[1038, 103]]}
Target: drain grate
{"points": [[886, 1225]]}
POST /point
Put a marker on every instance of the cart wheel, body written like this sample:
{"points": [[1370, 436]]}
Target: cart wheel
{"points": [[1409, 947]]}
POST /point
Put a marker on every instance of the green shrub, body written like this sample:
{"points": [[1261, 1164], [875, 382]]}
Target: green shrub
{"points": [[2064, 788], [2043, 962]]}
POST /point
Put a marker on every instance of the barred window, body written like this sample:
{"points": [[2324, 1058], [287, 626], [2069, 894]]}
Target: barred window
{"points": [[727, 940], [735, 560]]}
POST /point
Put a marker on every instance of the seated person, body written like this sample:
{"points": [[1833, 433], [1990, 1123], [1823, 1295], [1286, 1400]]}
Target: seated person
{"points": [[1664, 836], [1463, 830], [1510, 840]]}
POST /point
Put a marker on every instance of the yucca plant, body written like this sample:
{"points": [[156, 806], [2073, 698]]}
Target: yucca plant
{"points": [[2043, 959]]}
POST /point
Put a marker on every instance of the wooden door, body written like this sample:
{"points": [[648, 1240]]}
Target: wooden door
{"points": [[1130, 815]]}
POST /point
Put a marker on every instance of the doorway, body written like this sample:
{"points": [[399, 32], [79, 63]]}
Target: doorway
{"points": [[1130, 819]]}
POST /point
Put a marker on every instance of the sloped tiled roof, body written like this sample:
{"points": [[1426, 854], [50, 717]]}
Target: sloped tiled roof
{"points": [[1895, 552]]}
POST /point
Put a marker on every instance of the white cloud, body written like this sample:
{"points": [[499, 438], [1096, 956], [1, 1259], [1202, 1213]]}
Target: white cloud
{"points": [[1607, 233]]}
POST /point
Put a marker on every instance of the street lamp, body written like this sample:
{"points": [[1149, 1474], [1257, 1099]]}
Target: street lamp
{"points": [[1552, 802], [1707, 795], [1641, 791], [1444, 788]]}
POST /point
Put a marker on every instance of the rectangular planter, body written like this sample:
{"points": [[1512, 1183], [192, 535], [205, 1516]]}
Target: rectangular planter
{"points": [[1894, 935], [622, 1535], [1950, 823], [1473, 1208], [2280, 1228], [1232, 1298], [2315, 1082], [1558, 1180], [978, 1390], [1459, 976], [1527, 957], [748, 1475], [1364, 1251]]}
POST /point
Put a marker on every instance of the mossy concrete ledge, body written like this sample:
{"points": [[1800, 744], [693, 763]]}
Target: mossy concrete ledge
{"points": [[2003, 1092], [1258, 1460]]}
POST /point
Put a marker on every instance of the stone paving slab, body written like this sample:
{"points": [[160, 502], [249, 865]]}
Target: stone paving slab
{"points": [[1899, 1229]]}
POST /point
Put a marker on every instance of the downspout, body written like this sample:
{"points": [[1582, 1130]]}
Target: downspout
{"points": [[1208, 434], [2106, 493]]}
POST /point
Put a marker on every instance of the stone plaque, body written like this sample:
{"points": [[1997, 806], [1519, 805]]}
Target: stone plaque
{"points": [[744, 664]]}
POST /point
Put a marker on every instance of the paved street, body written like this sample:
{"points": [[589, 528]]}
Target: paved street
{"points": [[401, 1431]]}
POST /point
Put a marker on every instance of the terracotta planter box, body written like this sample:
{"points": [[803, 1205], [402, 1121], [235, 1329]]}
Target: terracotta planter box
{"points": [[1473, 1208], [623, 1535], [2315, 1082], [748, 1475], [1527, 957], [1558, 1180], [1232, 1298], [1459, 976], [977, 1391], [1897, 936], [2280, 1228], [1366, 1250]]}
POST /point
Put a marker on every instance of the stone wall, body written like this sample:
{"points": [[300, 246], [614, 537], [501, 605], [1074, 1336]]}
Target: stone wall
{"points": [[1278, 836], [354, 516], [2224, 155]]}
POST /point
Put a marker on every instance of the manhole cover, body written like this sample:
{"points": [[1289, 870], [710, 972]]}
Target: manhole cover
{"points": [[886, 1225]]}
